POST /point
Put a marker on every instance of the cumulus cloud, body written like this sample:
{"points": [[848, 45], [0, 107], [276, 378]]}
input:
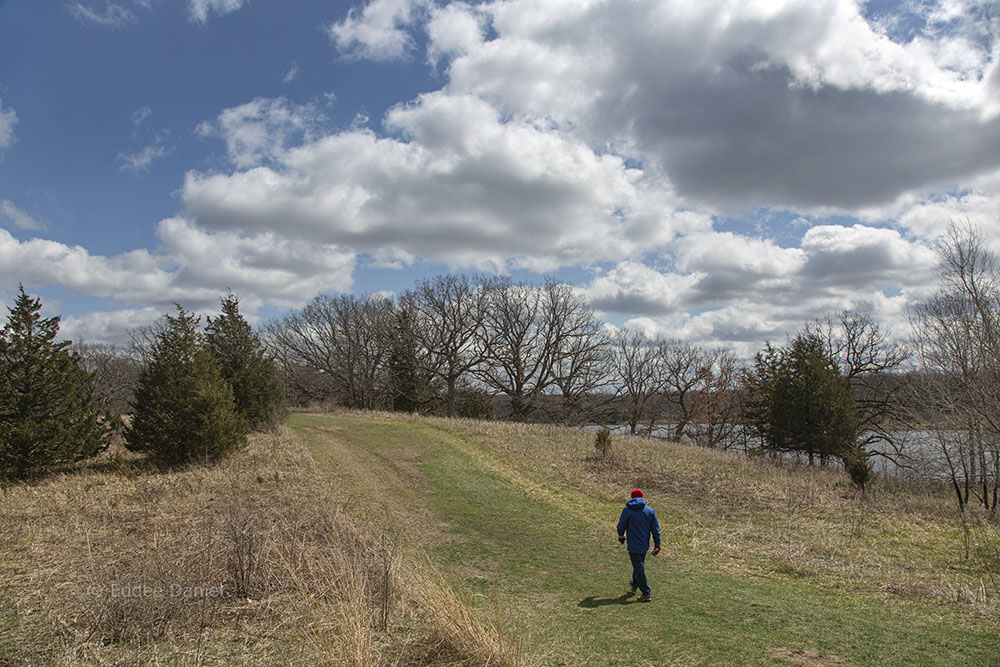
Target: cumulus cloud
{"points": [[858, 256], [724, 287], [261, 130], [454, 29], [795, 103], [633, 287], [107, 327], [459, 185], [604, 133], [200, 9], [7, 121], [193, 267], [133, 276], [379, 31], [285, 271]]}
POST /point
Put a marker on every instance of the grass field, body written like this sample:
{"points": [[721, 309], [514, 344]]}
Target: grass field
{"points": [[761, 564], [376, 539]]}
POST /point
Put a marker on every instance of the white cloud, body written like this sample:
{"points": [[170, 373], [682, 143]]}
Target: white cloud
{"points": [[108, 327], [600, 132], [137, 162], [192, 268], [723, 287], [7, 121], [633, 287], [454, 30], [140, 115], [462, 186], [113, 16], [291, 73], [261, 130], [17, 216], [200, 9], [792, 103], [377, 32], [265, 264], [131, 277]]}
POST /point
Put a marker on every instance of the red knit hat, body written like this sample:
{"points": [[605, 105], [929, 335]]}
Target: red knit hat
{"points": [[637, 493]]}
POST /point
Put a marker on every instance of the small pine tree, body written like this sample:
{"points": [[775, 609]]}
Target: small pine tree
{"points": [[602, 442], [858, 465], [183, 408], [245, 365], [48, 411]]}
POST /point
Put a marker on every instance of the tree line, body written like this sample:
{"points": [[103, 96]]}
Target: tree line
{"points": [[839, 389], [187, 394]]}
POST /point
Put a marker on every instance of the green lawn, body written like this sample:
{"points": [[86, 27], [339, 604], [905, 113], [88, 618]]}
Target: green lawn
{"points": [[542, 554]]}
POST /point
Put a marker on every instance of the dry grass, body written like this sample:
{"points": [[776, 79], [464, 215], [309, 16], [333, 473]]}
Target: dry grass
{"points": [[251, 561]]}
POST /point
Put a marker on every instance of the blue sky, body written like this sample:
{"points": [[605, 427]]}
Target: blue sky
{"points": [[719, 171]]}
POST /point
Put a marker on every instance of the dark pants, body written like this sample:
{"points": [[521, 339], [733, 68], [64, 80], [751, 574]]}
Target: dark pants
{"points": [[639, 572]]}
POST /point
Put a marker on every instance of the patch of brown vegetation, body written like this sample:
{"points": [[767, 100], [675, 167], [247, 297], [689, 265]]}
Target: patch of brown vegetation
{"points": [[798, 657], [254, 560]]}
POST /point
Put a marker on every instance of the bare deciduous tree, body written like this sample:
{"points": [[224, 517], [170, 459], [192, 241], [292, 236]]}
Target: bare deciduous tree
{"points": [[717, 404], [336, 346], [868, 358], [527, 332], [115, 375], [448, 311], [957, 338], [636, 375], [685, 369]]}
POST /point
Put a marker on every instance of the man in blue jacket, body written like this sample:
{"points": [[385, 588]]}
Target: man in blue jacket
{"points": [[638, 522]]}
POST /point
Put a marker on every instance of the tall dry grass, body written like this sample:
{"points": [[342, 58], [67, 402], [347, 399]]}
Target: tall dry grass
{"points": [[254, 560]]}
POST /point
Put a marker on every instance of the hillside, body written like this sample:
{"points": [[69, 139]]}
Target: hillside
{"points": [[380, 539]]}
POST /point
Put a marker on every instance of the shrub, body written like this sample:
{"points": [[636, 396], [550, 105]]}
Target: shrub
{"points": [[183, 407], [602, 443], [859, 466]]}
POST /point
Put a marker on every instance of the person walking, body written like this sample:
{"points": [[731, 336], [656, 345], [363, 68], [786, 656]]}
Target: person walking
{"points": [[637, 524]]}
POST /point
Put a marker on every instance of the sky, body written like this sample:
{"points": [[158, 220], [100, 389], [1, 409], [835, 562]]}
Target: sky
{"points": [[717, 171]]}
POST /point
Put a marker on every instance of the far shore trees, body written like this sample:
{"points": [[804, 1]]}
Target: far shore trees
{"points": [[48, 410]]}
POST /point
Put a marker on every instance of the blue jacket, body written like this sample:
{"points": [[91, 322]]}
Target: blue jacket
{"points": [[638, 522]]}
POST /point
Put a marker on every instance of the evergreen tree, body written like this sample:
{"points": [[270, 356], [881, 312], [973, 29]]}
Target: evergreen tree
{"points": [[245, 365], [799, 402], [48, 411], [183, 408], [406, 383]]}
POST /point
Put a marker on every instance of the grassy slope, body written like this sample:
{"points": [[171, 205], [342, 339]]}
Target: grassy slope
{"points": [[520, 518]]}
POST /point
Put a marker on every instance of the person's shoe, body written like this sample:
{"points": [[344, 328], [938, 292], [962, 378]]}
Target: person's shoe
{"points": [[645, 598], [631, 587]]}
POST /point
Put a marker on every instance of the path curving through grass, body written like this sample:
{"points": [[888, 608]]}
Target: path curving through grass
{"points": [[537, 548]]}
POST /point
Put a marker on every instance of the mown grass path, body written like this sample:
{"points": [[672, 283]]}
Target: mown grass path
{"points": [[545, 558]]}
